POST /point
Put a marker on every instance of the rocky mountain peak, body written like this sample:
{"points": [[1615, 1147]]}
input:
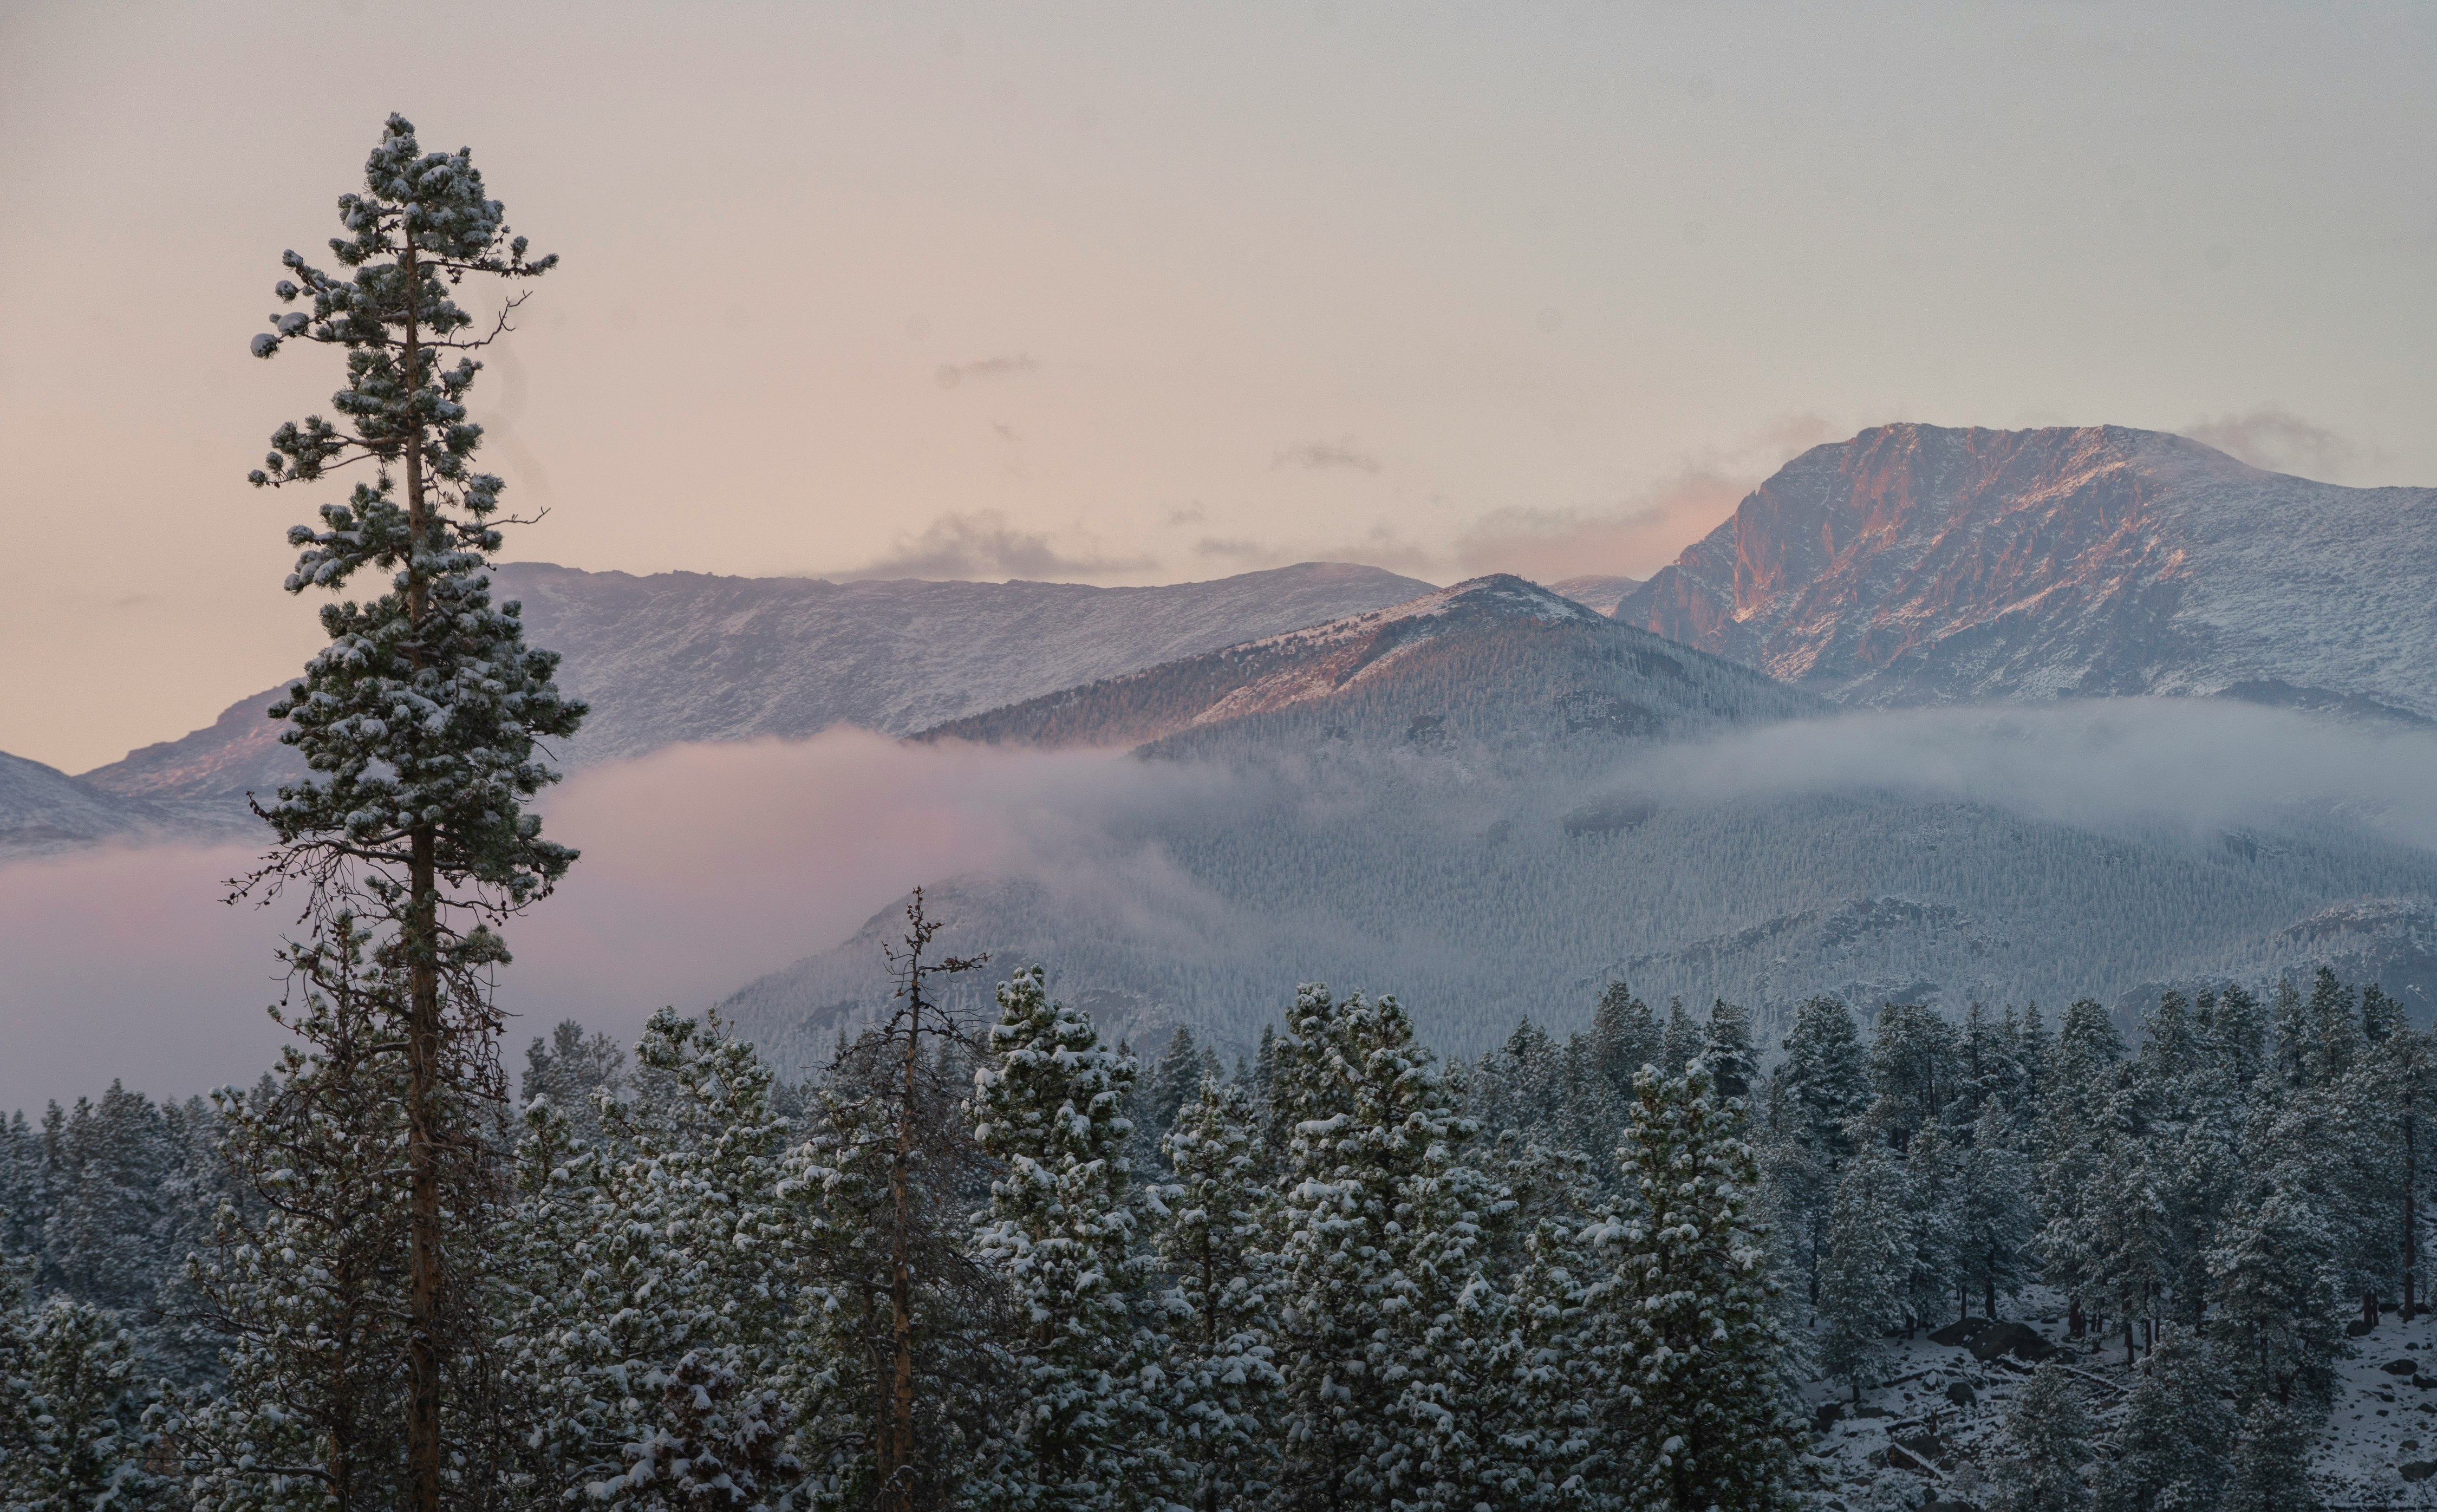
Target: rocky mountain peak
{"points": [[1926, 564]]}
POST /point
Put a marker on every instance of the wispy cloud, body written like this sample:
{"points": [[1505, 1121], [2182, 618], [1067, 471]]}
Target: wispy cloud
{"points": [[1014, 364], [983, 545], [1635, 534], [1324, 456], [2279, 441]]}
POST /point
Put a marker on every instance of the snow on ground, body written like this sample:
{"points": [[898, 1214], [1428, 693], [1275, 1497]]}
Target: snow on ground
{"points": [[1934, 1430]]}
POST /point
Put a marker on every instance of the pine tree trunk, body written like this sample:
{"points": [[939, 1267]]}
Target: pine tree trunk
{"points": [[897, 1433], [423, 1024]]}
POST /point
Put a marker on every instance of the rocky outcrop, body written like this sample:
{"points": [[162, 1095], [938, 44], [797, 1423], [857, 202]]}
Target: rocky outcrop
{"points": [[1918, 564]]}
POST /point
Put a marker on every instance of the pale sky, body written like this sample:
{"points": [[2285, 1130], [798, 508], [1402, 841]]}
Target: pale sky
{"points": [[1147, 291]]}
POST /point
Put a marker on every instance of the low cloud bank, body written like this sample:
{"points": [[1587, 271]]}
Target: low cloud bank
{"points": [[703, 867], [2202, 762], [708, 865]]}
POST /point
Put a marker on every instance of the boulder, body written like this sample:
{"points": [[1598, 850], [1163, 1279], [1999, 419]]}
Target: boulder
{"points": [[1960, 1335], [2020, 1340], [2400, 1368], [2418, 1469], [1961, 1394], [1829, 1415]]}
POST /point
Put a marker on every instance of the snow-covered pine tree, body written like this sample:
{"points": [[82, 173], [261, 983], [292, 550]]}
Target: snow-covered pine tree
{"points": [[1559, 1453], [306, 1280], [2125, 1255], [1914, 1070], [1987, 1066], [1378, 1230], [1174, 1084], [79, 1417], [112, 1234], [1867, 1268], [2191, 1117], [1817, 1091], [1695, 1415], [24, 1193], [2272, 1465], [1622, 1038], [2047, 1439], [908, 1322], [1520, 1085], [2079, 1143], [1728, 1049], [2236, 1025], [2033, 1047], [1993, 1210], [1933, 1178], [570, 1071], [647, 1320], [2407, 1071], [1083, 1430], [1224, 1381], [2275, 1316], [419, 722], [2174, 1450], [714, 1442], [1681, 1042], [2319, 1038], [2088, 1048]]}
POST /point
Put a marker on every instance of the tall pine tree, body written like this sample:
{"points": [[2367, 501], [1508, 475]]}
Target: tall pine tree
{"points": [[420, 722]]}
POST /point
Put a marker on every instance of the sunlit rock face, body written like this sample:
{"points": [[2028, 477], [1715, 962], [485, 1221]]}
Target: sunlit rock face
{"points": [[1918, 564]]}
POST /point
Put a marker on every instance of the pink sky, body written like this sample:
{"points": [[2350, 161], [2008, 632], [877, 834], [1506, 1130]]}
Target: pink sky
{"points": [[1119, 292]]}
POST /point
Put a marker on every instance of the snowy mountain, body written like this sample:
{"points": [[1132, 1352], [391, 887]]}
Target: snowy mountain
{"points": [[1918, 564], [683, 655], [44, 810], [1493, 659]]}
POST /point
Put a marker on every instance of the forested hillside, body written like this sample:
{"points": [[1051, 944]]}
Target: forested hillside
{"points": [[1487, 887], [1917, 1258]]}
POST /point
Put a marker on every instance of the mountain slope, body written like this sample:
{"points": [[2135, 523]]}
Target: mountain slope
{"points": [[1495, 660], [682, 656], [45, 810], [1918, 564]]}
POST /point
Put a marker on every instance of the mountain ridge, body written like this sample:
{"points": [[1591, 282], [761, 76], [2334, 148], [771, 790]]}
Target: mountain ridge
{"points": [[686, 656], [1491, 658]]}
